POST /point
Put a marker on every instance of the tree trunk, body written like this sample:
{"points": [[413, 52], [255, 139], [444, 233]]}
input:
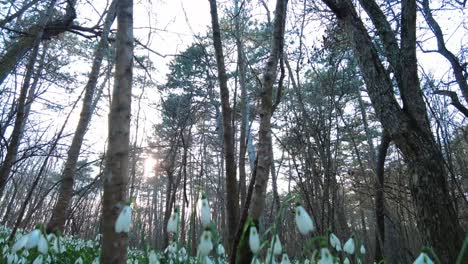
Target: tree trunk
{"points": [[379, 200], [232, 196], [408, 127], [59, 213], [114, 245], [20, 121], [266, 111]]}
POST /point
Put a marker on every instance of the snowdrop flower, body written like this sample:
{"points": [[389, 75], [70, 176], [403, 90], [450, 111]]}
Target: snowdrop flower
{"points": [[423, 259], [307, 261], [285, 259], [33, 238], [79, 261], [220, 250], [171, 249], [303, 220], [205, 212], [182, 254], [277, 248], [206, 245], [20, 243], [254, 240], [38, 260], [335, 242], [152, 258], [12, 258], [96, 261], [208, 260], [349, 246], [325, 257], [173, 222], [363, 250], [124, 221], [42, 245], [346, 261]]}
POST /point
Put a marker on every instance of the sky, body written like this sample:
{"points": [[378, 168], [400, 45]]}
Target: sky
{"points": [[168, 28]]}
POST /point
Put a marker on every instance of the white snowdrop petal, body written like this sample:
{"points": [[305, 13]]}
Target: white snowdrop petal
{"points": [[346, 261], [335, 242], [152, 258], [349, 246], [205, 212], [124, 220], [220, 250], [42, 245], [303, 221], [33, 239], [423, 258], [173, 222], [285, 259], [20, 243], [325, 257], [205, 246], [254, 240], [38, 260], [277, 248], [363, 250]]}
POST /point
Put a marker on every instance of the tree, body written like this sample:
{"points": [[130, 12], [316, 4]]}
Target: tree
{"points": [[232, 199], [114, 245], [59, 213], [407, 126]]}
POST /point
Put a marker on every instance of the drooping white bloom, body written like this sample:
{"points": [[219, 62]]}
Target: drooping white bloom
{"points": [[33, 238], [42, 245], [12, 258], [20, 243], [277, 248], [208, 260], [349, 246], [173, 222], [254, 240], [171, 248], [79, 261], [346, 261], [152, 258], [96, 261], [38, 260], [363, 250], [220, 250], [303, 220], [335, 242], [285, 259], [325, 257], [423, 259], [205, 246], [182, 254], [205, 212], [307, 261], [124, 221]]}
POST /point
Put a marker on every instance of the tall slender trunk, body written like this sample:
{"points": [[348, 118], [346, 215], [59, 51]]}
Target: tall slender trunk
{"points": [[232, 197], [241, 69], [114, 245], [266, 110], [59, 213], [20, 121]]}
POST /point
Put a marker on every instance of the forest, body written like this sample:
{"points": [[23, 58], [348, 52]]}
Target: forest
{"points": [[233, 131]]}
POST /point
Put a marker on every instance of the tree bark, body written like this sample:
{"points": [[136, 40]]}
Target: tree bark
{"points": [[59, 213], [408, 127], [20, 121], [379, 200], [114, 245], [262, 169], [232, 196]]}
